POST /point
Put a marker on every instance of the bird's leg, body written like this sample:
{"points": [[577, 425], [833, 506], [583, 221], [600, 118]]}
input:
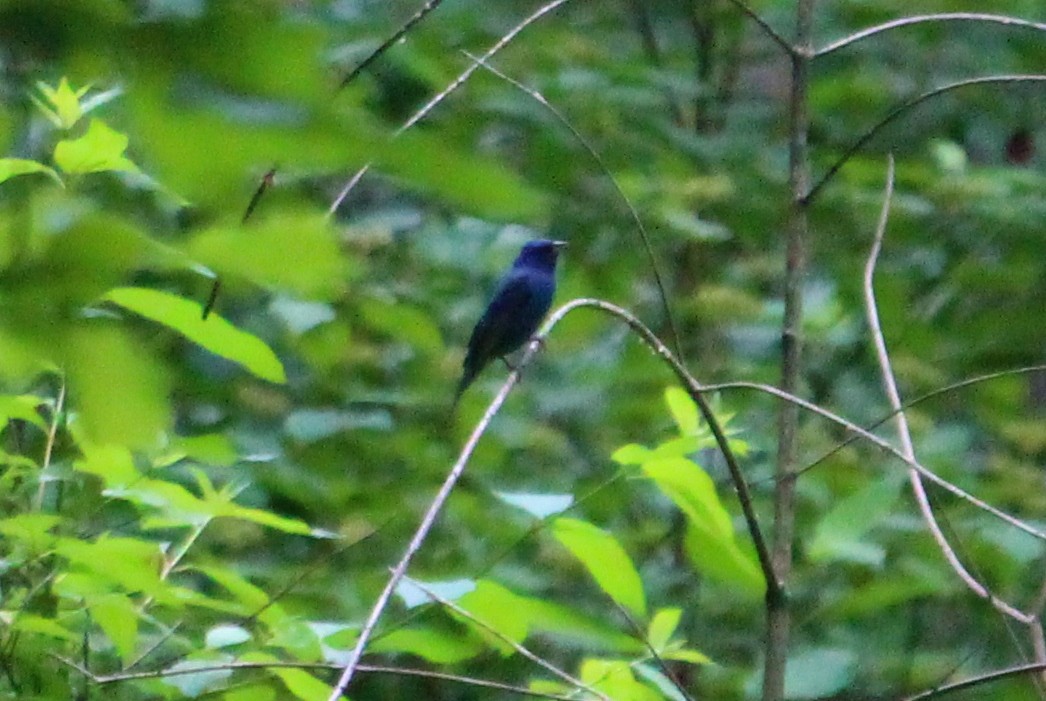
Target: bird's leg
{"points": [[510, 366]]}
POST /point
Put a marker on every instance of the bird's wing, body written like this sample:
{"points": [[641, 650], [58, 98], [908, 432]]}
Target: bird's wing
{"points": [[498, 330]]}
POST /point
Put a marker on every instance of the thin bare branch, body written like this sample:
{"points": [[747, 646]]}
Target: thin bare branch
{"points": [[544, 664], [978, 680], [785, 45], [905, 107], [391, 41], [443, 94], [901, 419], [52, 434], [106, 679], [920, 19], [886, 446], [918, 400], [428, 520]]}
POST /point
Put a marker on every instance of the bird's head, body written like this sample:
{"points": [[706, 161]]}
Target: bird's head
{"points": [[541, 253]]}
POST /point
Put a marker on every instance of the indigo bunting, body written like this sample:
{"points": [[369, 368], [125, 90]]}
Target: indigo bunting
{"points": [[520, 302]]}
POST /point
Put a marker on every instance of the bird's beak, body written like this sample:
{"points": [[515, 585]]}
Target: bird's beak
{"points": [[559, 244]]}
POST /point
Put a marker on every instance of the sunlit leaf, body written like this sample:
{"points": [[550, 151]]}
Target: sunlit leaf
{"points": [[100, 149], [63, 108], [213, 333], [616, 680], [683, 410], [29, 623], [662, 626], [499, 609], [606, 561], [10, 167]]}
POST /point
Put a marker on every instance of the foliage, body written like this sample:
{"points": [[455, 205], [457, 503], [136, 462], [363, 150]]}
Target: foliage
{"points": [[216, 496]]}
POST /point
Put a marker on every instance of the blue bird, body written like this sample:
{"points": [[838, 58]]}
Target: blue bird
{"points": [[520, 302]]}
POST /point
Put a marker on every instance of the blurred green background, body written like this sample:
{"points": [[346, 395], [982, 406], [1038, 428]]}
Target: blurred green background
{"points": [[369, 313]]}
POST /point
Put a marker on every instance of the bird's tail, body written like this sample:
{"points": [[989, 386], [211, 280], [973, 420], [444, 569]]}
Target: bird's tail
{"points": [[467, 376]]}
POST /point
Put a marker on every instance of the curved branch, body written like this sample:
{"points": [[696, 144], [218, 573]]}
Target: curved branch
{"points": [[904, 107], [920, 19], [901, 418], [978, 680]]}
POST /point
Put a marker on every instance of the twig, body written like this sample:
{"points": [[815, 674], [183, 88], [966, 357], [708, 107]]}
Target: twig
{"points": [[427, 522], [654, 654], [919, 19], [978, 680], [106, 679], [388, 43], [544, 664], [264, 184], [442, 95], [52, 433], [886, 446], [901, 419], [977, 379], [767, 29], [904, 107]]}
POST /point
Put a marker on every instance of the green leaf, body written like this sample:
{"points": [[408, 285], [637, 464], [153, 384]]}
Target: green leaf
{"points": [[615, 679], [213, 333], [129, 563], [64, 109], [838, 534], [30, 623], [499, 609], [683, 410], [723, 561], [23, 407], [100, 149], [116, 615], [606, 561], [292, 252], [112, 462], [631, 454], [661, 628], [226, 635], [251, 596], [11, 167], [32, 530], [693, 491], [119, 390], [432, 644]]}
